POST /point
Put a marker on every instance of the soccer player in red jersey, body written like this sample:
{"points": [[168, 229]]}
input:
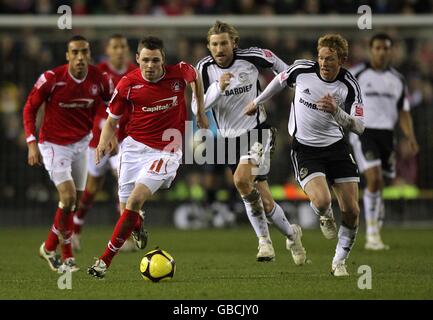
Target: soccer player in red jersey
{"points": [[116, 66], [149, 158], [71, 93]]}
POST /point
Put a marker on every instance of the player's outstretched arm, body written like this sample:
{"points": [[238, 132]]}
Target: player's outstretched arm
{"points": [[107, 135], [272, 88], [197, 89]]}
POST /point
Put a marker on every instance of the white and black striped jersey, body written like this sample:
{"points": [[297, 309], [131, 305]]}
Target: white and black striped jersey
{"points": [[227, 106], [308, 124], [384, 93]]}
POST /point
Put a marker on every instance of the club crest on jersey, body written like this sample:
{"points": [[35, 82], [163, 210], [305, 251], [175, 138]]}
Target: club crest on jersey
{"points": [[94, 90], [243, 77], [303, 173], [176, 86]]}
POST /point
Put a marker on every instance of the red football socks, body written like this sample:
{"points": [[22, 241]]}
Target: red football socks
{"points": [[53, 235], [123, 229], [86, 203], [66, 228]]}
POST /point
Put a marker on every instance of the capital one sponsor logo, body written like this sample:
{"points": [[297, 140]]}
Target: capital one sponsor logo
{"points": [[163, 105], [77, 103]]}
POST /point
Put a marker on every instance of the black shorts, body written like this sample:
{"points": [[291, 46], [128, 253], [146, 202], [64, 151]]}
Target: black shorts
{"points": [[245, 149], [335, 162], [375, 147]]}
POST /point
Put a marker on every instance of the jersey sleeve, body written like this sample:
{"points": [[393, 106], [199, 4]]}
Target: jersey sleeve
{"points": [[289, 75], [353, 104], [39, 93], [188, 72], [212, 91], [271, 89], [403, 102], [262, 58], [119, 100], [278, 65]]}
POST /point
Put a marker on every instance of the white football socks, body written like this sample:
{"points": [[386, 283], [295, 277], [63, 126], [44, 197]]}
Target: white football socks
{"points": [[372, 208], [346, 239], [278, 218], [256, 214]]}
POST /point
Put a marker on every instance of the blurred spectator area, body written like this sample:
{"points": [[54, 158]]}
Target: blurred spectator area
{"points": [[28, 51], [213, 7]]}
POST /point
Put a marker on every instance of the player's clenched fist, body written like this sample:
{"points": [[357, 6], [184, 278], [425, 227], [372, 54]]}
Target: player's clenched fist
{"points": [[225, 80], [327, 103]]}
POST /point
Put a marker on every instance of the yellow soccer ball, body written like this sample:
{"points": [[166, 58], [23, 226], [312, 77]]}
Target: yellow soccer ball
{"points": [[157, 265]]}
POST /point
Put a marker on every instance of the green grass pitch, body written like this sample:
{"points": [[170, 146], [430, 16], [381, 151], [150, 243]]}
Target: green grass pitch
{"points": [[220, 264]]}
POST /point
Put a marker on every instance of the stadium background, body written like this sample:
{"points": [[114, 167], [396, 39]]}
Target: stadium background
{"points": [[31, 42]]}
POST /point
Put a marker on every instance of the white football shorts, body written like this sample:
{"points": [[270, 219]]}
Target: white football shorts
{"points": [[139, 163], [67, 162]]}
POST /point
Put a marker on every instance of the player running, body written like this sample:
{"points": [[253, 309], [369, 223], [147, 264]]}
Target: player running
{"points": [[230, 80], [149, 157], [327, 100], [72, 93], [385, 95]]}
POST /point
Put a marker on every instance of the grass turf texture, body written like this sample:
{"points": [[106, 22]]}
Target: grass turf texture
{"points": [[220, 264]]}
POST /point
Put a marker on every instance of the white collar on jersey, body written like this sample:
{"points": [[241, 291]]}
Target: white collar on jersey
{"points": [[78, 80]]}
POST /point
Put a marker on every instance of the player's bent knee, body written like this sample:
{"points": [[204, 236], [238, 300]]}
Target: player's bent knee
{"points": [[352, 212], [243, 184]]}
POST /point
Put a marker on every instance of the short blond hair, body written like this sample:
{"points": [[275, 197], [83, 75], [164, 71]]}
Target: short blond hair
{"points": [[335, 43], [222, 27]]}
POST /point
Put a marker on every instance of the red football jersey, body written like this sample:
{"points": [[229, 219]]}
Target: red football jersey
{"points": [[102, 114], [154, 106], [70, 104]]}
